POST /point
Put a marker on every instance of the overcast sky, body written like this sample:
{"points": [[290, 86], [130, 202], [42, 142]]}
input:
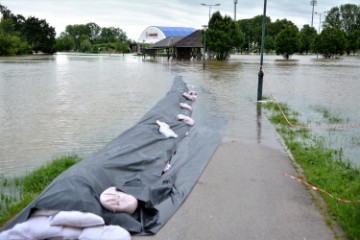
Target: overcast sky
{"points": [[133, 16]]}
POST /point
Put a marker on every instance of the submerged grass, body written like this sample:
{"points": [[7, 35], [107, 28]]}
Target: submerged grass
{"points": [[323, 167], [16, 193]]}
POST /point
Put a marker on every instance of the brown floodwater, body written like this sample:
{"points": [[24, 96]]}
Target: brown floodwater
{"points": [[52, 106]]}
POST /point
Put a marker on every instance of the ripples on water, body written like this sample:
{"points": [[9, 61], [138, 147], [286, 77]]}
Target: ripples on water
{"points": [[75, 104]]}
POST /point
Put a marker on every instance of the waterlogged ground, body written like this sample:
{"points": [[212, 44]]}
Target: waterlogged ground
{"points": [[74, 104]]}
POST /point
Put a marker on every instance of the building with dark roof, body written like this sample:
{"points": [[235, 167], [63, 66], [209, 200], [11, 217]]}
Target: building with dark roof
{"points": [[178, 47]]}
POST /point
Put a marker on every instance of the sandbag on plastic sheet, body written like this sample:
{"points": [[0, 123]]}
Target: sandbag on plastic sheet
{"points": [[134, 162]]}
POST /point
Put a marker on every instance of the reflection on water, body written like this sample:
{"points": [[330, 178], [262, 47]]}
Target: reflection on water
{"points": [[74, 104]]}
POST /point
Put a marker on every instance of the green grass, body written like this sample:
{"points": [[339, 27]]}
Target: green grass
{"points": [[326, 113], [323, 167], [16, 193]]}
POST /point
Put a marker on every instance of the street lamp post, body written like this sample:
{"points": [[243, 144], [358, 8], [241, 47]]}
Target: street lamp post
{"points": [[320, 19], [235, 2], [313, 4], [261, 73], [210, 5], [204, 26]]}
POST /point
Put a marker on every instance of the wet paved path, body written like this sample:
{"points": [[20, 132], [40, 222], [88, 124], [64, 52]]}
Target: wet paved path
{"points": [[242, 195]]}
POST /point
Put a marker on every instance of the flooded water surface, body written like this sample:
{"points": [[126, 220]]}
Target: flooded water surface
{"points": [[52, 106]]}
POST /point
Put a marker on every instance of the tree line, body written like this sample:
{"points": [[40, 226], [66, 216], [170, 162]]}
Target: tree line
{"points": [[92, 38], [20, 35], [340, 34]]}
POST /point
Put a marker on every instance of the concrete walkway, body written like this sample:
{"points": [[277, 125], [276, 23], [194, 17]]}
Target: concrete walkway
{"points": [[243, 195]]}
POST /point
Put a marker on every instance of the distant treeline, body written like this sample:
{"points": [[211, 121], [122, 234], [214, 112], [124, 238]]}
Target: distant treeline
{"points": [[20, 35], [92, 38], [340, 33]]}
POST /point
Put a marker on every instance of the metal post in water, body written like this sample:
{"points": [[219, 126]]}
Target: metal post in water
{"points": [[261, 73], [204, 26]]}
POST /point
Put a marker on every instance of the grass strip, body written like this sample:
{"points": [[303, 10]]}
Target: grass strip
{"points": [[323, 167], [16, 193]]}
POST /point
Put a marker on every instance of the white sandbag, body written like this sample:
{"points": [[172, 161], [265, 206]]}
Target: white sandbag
{"points": [[189, 96], [186, 119], [165, 130], [185, 106], [35, 228], [117, 201], [71, 233], [105, 233], [76, 219]]}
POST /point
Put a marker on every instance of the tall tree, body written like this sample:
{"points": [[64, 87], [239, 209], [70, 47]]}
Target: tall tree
{"points": [[353, 38], [287, 42], [269, 43], [223, 35], [39, 35], [276, 27], [65, 43], [76, 31], [350, 14], [111, 35], [252, 29], [333, 18], [331, 42], [307, 37], [94, 31], [6, 13], [345, 17]]}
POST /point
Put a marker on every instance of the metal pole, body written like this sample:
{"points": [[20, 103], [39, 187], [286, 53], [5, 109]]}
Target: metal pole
{"points": [[313, 3], [261, 73], [204, 26], [210, 5], [235, 2]]}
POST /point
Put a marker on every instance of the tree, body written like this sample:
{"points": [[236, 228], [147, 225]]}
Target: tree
{"points": [[39, 35], [252, 30], [12, 45], [345, 17], [121, 46], [350, 14], [85, 45], [223, 35], [276, 27], [76, 31], [353, 39], [333, 18], [94, 31], [269, 43], [6, 13], [10, 42], [111, 35], [307, 37], [64, 43], [287, 42], [331, 42]]}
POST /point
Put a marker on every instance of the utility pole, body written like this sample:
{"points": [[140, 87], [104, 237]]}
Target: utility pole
{"points": [[261, 73]]}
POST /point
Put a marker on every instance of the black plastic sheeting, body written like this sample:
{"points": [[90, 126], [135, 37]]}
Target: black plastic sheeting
{"points": [[134, 163]]}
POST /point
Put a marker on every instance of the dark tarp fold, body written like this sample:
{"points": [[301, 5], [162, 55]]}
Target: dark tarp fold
{"points": [[134, 163]]}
